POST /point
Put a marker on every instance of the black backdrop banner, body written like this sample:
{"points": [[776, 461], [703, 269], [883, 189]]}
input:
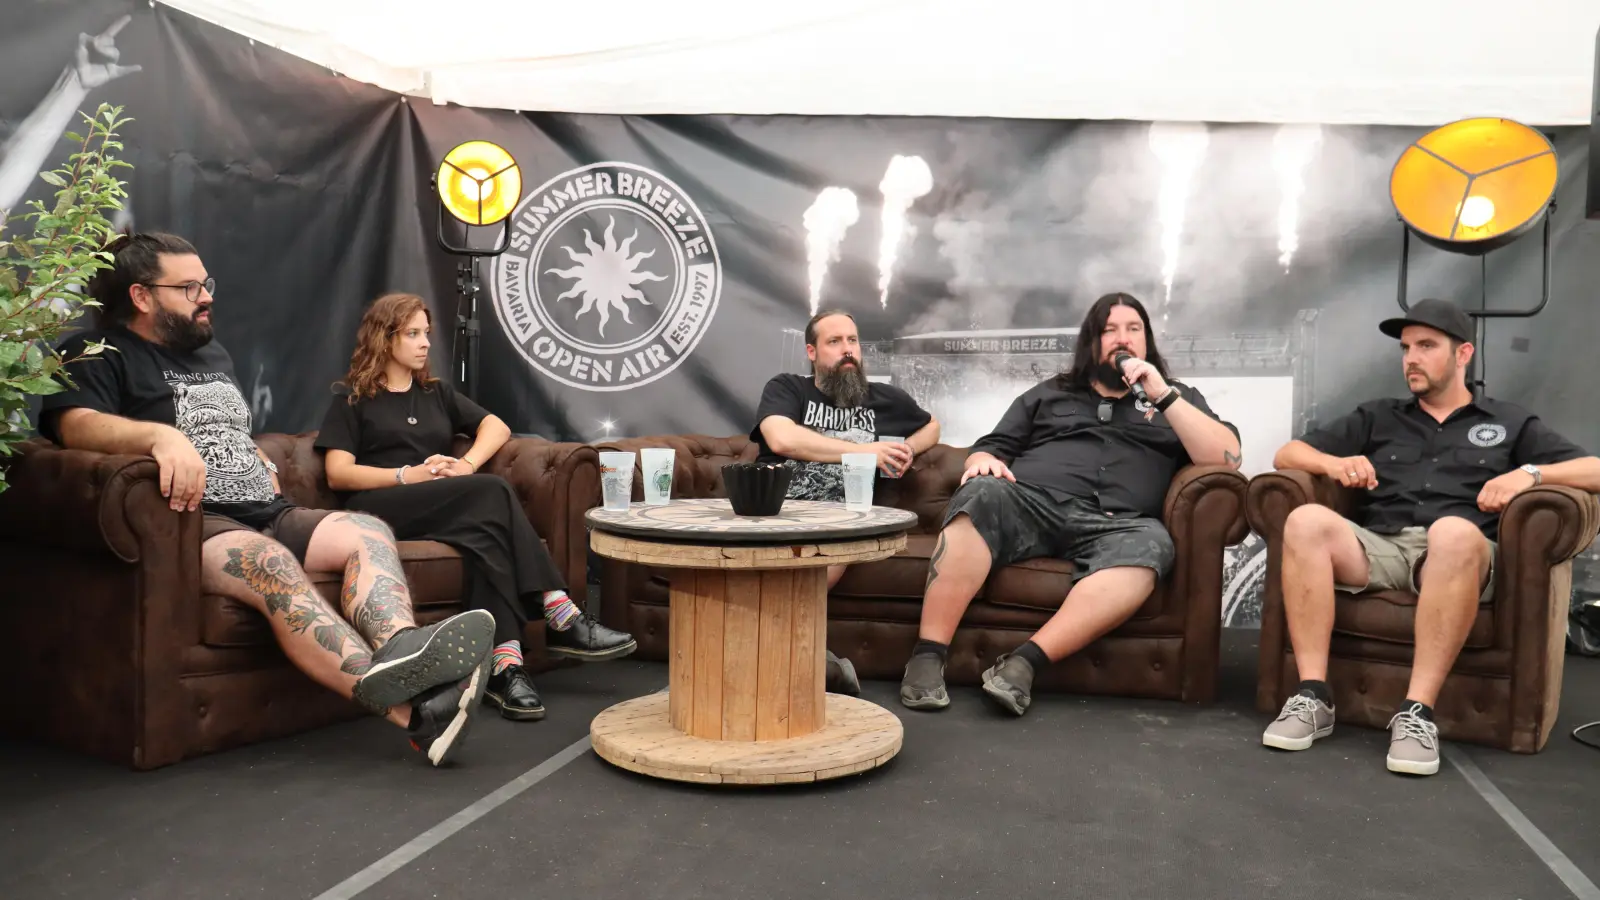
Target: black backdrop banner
{"points": [[661, 268]]}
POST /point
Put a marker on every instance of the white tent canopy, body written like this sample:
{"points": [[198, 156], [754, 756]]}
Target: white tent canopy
{"points": [[1410, 62]]}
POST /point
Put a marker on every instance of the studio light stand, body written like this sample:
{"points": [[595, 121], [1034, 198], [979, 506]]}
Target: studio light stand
{"points": [[478, 184]]}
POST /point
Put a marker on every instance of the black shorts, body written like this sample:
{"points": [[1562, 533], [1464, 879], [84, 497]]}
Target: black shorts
{"points": [[292, 528], [1020, 521]]}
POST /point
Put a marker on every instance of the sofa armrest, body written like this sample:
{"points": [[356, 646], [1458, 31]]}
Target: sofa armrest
{"points": [[83, 500], [1549, 524], [1204, 513], [557, 483], [1541, 530], [1272, 495]]}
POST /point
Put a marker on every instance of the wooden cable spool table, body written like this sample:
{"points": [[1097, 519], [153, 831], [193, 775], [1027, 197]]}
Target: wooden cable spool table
{"points": [[746, 702]]}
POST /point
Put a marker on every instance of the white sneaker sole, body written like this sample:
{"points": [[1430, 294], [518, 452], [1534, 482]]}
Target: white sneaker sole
{"points": [[1413, 766], [456, 731], [1284, 742]]}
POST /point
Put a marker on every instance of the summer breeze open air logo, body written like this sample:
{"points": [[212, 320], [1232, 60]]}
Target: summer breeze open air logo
{"points": [[611, 277]]}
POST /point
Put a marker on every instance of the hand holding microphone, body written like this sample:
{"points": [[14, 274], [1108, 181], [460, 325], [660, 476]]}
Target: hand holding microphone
{"points": [[1141, 377]]}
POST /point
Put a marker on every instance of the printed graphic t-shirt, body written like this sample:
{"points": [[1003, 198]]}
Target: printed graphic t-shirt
{"points": [[888, 411], [193, 392]]}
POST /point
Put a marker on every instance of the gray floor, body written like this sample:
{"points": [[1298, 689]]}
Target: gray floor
{"points": [[1083, 797]]}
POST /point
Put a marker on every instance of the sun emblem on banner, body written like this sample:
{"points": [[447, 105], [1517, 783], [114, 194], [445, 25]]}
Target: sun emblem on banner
{"points": [[607, 277], [610, 278]]}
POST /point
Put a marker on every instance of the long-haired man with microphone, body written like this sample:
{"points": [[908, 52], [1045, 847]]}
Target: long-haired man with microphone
{"points": [[1077, 469], [1435, 471]]}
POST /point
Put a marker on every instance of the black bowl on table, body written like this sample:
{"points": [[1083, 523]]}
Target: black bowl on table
{"points": [[756, 489]]}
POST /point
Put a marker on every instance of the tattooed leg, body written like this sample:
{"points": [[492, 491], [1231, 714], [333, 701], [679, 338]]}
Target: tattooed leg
{"points": [[956, 570], [262, 574], [375, 598]]}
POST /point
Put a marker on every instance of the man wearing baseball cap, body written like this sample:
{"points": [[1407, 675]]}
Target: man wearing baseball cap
{"points": [[1435, 471]]}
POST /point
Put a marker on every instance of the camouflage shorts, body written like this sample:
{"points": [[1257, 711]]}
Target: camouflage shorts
{"points": [[1019, 521]]}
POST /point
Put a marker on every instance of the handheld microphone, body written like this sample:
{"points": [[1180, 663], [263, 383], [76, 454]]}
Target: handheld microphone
{"points": [[1121, 359]]}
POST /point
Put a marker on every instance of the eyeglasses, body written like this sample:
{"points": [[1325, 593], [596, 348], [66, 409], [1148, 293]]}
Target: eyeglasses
{"points": [[191, 290]]}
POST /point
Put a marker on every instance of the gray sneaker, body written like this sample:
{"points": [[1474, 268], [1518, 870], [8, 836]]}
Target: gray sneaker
{"points": [[1413, 743], [1302, 721], [841, 676], [923, 684], [1010, 682]]}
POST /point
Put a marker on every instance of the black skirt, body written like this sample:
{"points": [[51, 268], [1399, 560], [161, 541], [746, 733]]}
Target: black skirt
{"points": [[508, 569]]}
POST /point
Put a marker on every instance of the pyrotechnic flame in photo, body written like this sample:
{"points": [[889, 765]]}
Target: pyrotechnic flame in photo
{"points": [[907, 178], [827, 220], [1292, 149], [1180, 146]]}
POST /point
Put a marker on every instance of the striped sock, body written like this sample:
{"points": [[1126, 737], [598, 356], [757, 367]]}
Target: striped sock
{"points": [[559, 610], [506, 655]]}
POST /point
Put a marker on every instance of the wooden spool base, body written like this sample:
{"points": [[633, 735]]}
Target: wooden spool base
{"points": [[637, 735]]}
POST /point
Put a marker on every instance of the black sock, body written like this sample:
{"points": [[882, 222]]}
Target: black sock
{"points": [[1317, 689], [934, 647], [1422, 710], [1034, 654]]}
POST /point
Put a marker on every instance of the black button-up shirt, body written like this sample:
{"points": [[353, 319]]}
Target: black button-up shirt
{"points": [[1429, 469], [1075, 443]]}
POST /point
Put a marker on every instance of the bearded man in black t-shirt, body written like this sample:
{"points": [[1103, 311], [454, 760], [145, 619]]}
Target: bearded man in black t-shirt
{"points": [[809, 423], [165, 388]]}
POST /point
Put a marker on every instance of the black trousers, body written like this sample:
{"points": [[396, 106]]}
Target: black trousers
{"points": [[508, 569]]}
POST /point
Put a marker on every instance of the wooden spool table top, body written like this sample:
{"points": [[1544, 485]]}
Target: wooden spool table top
{"points": [[748, 632], [705, 534]]}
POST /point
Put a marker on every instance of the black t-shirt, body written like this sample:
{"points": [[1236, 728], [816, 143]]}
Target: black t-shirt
{"points": [[1429, 469], [888, 410], [377, 430], [193, 392], [1075, 443]]}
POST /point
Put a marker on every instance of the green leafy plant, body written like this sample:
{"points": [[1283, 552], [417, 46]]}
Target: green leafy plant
{"points": [[44, 278]]}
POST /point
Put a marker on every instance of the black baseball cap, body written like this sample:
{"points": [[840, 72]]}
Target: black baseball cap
{"points": [[1438, 314]]}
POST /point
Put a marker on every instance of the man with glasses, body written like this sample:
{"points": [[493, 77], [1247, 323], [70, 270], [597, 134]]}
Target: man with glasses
{"points": [[1077, 469], [164, 388]]}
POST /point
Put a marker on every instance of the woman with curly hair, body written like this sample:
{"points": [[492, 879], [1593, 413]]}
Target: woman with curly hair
{"points": [[387, 438]]}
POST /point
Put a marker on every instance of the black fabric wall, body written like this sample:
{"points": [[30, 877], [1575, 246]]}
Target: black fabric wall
{"points": [[308, 196]]}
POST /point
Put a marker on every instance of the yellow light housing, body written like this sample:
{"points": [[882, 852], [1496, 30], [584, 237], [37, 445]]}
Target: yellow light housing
{"points": [[479, 183], [1474, 185]]}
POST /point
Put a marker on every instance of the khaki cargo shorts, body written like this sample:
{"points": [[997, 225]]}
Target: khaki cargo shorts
{"points": [[1394, 561]]}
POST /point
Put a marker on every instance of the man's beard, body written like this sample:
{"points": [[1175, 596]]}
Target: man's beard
{"points": [[845, 385], [1430, 387], [184, 334]]}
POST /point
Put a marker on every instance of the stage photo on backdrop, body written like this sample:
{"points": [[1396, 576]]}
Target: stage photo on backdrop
{"points": [[654, 271]]}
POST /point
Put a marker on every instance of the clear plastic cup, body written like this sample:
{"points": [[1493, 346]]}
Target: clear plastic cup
{"points": [[657, 465], [887, 439], [859, 470], [616, 479]]}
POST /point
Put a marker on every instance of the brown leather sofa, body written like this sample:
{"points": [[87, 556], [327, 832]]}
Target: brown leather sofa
{"points": [[115, 652], [1505, 688], [1167, 650]]}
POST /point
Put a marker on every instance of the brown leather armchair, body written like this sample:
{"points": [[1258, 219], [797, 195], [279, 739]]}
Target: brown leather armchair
{"points": [[1167, 650], [1505, 688], [115, 652]]}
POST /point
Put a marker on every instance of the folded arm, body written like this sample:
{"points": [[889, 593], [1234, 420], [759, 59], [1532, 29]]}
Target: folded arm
{"points": [[344, 475], [492, 435]]}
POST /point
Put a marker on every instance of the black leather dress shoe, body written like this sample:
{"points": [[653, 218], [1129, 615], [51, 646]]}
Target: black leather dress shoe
{"points": [[589, 641], [513, 692]]}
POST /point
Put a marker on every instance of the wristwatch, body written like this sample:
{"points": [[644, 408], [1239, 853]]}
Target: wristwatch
{"points": [[1167, 399], [1533, 470]]}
